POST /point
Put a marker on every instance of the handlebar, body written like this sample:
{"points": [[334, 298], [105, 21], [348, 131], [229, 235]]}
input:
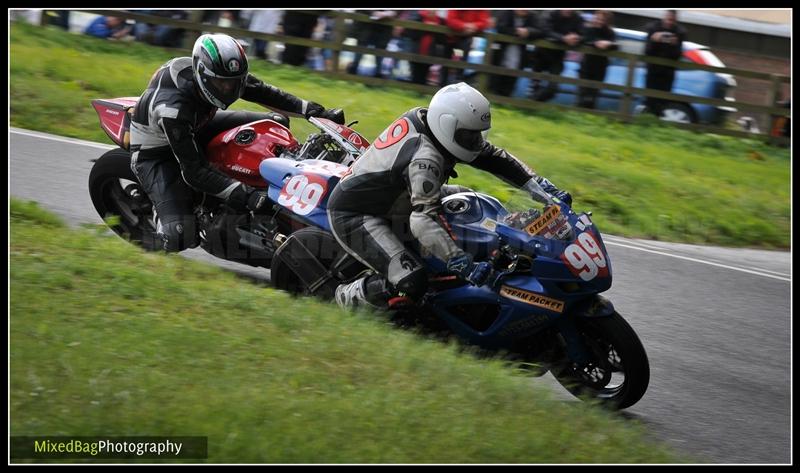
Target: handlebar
{"points": [[346, 145], [495, 276]]}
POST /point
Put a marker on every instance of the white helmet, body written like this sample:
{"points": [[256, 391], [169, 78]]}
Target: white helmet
{"points": [[459, 118]]}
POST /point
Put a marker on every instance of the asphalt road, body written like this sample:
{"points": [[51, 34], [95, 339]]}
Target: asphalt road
{"points": [[715, 322]]}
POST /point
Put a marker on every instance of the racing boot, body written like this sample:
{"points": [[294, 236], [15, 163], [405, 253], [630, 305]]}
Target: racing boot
{"points": [[368, 291]]}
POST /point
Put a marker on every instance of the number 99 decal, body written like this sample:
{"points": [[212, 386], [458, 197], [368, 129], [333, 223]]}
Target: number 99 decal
{"points": [[302, 193], [585, 258]]}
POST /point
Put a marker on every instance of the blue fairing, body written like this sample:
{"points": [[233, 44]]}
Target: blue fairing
{"points": [[547, 279]]}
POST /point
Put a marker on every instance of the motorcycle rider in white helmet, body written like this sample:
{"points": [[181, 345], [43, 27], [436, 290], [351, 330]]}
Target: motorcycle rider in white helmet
{"points": [[401, 179]]}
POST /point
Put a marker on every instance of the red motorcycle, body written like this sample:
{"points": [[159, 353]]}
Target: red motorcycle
{"points": [[236, 151]]}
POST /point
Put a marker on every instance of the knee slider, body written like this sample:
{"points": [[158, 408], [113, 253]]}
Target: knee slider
{"points": [[280, 118]]}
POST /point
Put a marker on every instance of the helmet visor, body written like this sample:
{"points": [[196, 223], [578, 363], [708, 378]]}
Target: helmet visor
{"points": [[225, 89], [473, 140]]}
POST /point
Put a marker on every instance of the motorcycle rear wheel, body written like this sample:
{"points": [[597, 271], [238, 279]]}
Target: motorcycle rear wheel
{"points": [[116, 193], [619, 372]]}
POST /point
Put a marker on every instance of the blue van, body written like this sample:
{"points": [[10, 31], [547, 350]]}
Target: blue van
{"points": [[687, 81]]}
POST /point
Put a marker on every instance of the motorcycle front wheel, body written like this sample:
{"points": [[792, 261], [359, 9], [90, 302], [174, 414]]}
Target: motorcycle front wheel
{"points": [[618, 373]]}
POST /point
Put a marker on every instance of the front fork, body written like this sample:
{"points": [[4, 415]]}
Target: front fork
{"points": [[577, 351]]}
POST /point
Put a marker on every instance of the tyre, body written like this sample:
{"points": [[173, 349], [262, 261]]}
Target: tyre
{"points": [[328, 252], [678, 112], [619, 372], [117, 194]]}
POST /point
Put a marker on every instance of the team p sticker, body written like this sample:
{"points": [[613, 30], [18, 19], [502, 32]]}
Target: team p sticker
{"points": [[548, 217], [532, 298], [489, 224]]}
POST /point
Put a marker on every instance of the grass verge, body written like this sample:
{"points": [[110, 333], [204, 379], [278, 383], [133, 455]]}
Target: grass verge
{"points": [[642, 180], [108, 340]]}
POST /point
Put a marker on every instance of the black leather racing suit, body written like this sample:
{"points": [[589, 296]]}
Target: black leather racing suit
{"points": [[170, 127], [397, 183]]}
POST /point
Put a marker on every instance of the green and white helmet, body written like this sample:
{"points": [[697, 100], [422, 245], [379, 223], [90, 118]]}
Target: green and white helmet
{"points": [[220, 69], [459, 117]]}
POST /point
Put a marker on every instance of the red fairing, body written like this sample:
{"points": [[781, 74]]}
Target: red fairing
{"points": [[349, 134], [239, 151], [114, 118]]}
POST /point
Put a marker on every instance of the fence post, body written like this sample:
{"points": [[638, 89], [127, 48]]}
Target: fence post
{"points": [[772, 101], [338, 38], [483, 79], [189, 36], [625, 104]]}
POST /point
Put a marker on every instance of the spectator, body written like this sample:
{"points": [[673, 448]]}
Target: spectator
{"points": [[320, 59], [33, 17], [464, 23], [423, 42], [523, 24], [561, 27], [373, 34], [300, 25], [599, 35], [58, 18], [782, 126], [223, 18], [328, 27], [665, 39], [264, 21], [160, 35], [108, 27]]}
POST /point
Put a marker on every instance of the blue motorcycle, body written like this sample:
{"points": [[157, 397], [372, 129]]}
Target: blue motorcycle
{"points": [[540, 306]]}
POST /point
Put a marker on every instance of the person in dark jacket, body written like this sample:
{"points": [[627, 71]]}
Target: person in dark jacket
{"points": [[111, 27], [561, 27], [464, 24], [423, 42], [665, 39], [376, 35], [301, 25], [523, 24], [599, 35], [176, 116], [160, 35]]}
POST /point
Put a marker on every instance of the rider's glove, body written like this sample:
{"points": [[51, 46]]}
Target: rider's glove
{"points": [[475, 273], [313, 109], [563, 196], [335, 115], [246, 198], [551, 189]]}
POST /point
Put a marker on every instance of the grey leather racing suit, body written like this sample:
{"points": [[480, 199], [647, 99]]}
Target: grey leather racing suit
{"points": [[392, 195], [170, 127]]}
